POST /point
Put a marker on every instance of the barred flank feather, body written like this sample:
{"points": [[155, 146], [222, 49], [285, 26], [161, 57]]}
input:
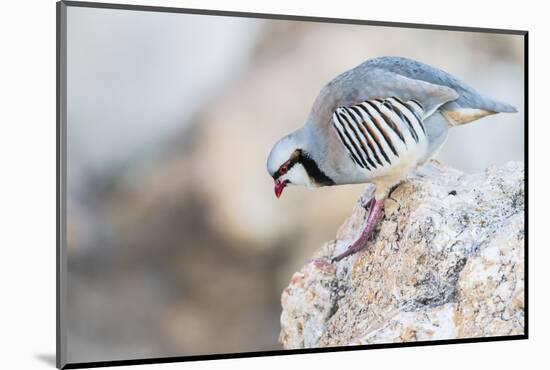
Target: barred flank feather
{"points": [[376, 132]]}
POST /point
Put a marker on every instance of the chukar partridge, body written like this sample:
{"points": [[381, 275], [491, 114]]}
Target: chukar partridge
{"points": [[374, 124]]}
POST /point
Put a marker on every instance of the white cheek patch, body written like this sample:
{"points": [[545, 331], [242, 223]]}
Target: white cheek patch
{"points": [[297, 175]]}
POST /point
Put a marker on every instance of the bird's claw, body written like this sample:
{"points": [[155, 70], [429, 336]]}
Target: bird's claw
{"points": [[367, 204], [352, 249], [361, 242]]}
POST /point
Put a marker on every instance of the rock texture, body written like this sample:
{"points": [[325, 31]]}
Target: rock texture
{"points": [[447, 261]]}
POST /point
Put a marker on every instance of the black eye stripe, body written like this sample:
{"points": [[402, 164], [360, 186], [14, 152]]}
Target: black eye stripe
{"points": [[311, 168], [289, 164]]}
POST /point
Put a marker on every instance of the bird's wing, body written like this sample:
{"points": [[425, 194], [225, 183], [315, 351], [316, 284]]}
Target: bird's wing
{"points": [[357, 94], [354, 87], [469, 106]]}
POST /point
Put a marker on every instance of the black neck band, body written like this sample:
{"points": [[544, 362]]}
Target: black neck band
{"points": [[313, 170], [311, 167]]}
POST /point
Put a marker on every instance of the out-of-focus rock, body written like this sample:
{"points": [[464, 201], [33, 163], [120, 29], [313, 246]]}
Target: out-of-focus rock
{"points": [[447, 261]]}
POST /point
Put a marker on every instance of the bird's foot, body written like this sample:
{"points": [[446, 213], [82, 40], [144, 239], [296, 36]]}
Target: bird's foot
{"points": [[367, 204], [352, 249], [361, 242]]}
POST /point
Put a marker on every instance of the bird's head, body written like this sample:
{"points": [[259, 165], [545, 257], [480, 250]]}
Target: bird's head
{"points": [[286, 163]]}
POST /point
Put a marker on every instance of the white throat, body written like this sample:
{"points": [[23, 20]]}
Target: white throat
{"points": [[297, 175]]}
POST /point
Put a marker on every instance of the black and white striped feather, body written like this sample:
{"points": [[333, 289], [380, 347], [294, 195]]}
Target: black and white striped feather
{"points": [[379, 134]]}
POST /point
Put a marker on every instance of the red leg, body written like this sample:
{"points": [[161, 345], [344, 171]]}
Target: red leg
{"points": [[361, 242]]}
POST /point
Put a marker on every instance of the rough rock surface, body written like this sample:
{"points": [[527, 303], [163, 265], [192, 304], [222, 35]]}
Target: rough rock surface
{"points": [[447, 261]]}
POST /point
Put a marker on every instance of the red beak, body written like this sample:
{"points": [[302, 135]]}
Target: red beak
{"points": [[279, 186]]}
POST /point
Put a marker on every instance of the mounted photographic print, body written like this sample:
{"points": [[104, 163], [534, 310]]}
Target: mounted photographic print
{"points": [[236, 184]]}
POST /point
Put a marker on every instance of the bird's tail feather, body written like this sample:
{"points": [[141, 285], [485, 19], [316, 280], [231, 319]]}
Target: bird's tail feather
{"points": [[456, 114], [499, 107]]}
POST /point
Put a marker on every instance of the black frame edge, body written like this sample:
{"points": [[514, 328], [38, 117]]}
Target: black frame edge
{"points": [[161, 360], [61, 100], [526, 193], [227, 13]]}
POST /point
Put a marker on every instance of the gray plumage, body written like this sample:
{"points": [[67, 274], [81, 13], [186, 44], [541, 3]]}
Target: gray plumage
{"points": [[387, 76], [467, 96], [362, 126]]}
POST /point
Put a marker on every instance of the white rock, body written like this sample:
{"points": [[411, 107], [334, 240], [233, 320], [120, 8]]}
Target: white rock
{"points": [[441, 266]]}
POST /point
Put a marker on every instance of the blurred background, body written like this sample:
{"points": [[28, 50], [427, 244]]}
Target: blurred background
{"points": [[176, 242]]}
